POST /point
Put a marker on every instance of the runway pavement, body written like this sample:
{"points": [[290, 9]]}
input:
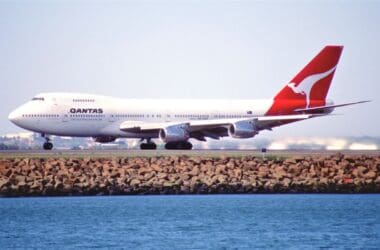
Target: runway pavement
{"points": [[154, 153]]}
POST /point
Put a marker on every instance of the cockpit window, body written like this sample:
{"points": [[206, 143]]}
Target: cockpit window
{"points": [[38, 99]]}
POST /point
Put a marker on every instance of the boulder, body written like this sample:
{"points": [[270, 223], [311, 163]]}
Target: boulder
{"points": [[182, 174], [195, 171], [162, 176], [377, 181], [20, 178], [168, 184], [8, 172], [370, 175], [134, 182], [36, 185], [4, 183], [290, 161], [220, 169]]}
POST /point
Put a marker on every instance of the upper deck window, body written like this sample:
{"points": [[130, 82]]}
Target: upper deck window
{"points": [[38, 99]]}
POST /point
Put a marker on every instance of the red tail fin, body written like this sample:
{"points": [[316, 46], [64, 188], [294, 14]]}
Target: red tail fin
{"points": [[310, 86]]}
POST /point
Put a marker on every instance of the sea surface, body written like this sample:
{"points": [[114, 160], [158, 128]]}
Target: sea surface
{"points": [[192, 222]]}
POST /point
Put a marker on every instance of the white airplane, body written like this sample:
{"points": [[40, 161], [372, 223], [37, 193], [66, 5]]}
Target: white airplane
{"points": [[176, 121]]}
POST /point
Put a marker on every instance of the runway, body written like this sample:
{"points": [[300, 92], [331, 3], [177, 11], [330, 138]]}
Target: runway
{"points": [[156, 153]]}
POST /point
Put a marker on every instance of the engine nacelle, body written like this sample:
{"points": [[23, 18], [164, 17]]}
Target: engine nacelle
{"points": [[174, 133], [105, 139], [243, 129]]}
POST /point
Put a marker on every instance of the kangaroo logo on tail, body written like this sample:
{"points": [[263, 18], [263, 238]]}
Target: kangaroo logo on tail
{"points": [[307, 84]]}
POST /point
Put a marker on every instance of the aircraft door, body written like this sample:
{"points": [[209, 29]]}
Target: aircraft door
{"points": [[112, 118], [167, 115], [65, 118]]}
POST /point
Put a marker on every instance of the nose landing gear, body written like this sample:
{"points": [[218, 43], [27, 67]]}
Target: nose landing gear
{"points": [[47, 145]]}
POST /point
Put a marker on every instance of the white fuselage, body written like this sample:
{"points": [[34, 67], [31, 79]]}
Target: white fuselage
{"points": [[84, 115], [175, 121]]}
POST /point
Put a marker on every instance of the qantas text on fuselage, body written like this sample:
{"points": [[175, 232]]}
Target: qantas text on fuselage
{"points": [[176, 121]]}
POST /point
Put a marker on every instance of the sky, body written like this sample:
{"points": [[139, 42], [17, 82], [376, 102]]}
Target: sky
{"points": [[191, 49]]}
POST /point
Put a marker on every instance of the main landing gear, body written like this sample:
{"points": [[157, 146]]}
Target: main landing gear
{"points": [[149, 145], [178, 145], [47, 145]]}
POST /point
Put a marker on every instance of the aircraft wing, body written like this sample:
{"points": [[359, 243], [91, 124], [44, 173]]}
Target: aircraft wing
{"points": [[212, 128], [262, 122], [328, 107]]}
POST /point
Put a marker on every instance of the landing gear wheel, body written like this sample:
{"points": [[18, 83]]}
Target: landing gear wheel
{"points": [[184, 145], [148, 146], [48, 145]]}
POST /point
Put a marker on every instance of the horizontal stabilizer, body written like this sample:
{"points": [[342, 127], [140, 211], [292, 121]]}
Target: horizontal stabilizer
{"points": [[327, 107]]}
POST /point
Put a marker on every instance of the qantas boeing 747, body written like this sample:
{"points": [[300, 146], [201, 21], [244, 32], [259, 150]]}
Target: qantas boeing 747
{"points": [[176, 121]]}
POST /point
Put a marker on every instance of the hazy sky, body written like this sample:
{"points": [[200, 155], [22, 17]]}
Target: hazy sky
{"points": [[191, 49]]}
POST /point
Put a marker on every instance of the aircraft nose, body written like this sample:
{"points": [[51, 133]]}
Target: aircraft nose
{"points": [[14, 116]]}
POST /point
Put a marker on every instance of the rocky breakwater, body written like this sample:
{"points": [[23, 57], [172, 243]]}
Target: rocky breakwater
{"points": [[190, 175]]}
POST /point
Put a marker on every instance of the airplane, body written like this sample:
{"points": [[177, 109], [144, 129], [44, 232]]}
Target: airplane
{"points": [[175, 121]]}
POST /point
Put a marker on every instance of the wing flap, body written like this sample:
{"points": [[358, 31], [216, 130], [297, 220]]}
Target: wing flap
{"points": [[269, 122]]}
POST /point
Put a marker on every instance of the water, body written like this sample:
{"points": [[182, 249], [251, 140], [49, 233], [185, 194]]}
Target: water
{"points": [[192, 222]]}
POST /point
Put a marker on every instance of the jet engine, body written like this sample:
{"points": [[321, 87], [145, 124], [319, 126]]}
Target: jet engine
{"points": [[174, 133], [242, 129], [105, 139]]}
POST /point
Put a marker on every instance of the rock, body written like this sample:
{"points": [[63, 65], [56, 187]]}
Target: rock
{"points": [[49, 186], [286, 182], [355, 173], [263, 172], [58, 185], [8, 172], [377, 181], [36, 185], [162, 176], [149, 176], [135, 182], [237, 173], [221, 179], [196, 160], [184, 177], [143, 171], [347, 180], [290, 161], [4, 183], [294, 169], [370, 175], [279, 172], [3, 167], [182, 174], [220, 169], [184, 189], [156, 167], [20, 178], [168, 184], [230, 164], [195, 171], [361, 171]]}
